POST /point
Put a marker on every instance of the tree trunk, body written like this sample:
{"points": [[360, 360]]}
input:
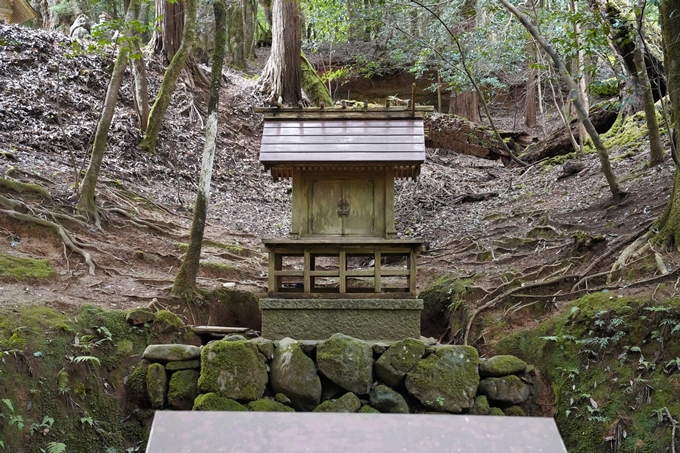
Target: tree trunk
{"points": [[236, 35], [668, 225], [466, 105], [315, 89], [168, 35], [573, 95], [170, 77], [185, 281], [140, 82], [656, 151], [144, 19], [281, 76], [530, 105], [86, 203]]}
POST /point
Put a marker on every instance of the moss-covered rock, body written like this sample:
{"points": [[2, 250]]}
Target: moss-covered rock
{"points": [[266, 347], [447, 380], [21, 268], [348, 402], [386, 400], [183, 389], [392, 366], [346, 361], [514, 411], [481, 406], [294, 375], [171, 352], [501, 365], [233, 369], [138, 316], [214, 402], [156, 385], [165, 321], [506, 389], [498, 412], [368, 410], [183, 365], [267, 405], [283, 399]]}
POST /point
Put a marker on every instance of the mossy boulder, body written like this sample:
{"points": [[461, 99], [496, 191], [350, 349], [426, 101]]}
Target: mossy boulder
{"points": [[233, 369], [481, 406], [507, 389], [443, 303], [386, 400], [294, 375], [447, 380], [156, 385], [266, 347], [368, 410], [165, 321], [267, 405], [501, 365], [346, 361], [498, 412], [183, 365], [348, 402], [138, 316], [183, 389], [514, 411], [214, 402], [392, 366], [171, 352]]}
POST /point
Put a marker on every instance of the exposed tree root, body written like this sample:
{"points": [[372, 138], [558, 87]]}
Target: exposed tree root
{"points": [[141, 222], [21, 187], [65, 236]]}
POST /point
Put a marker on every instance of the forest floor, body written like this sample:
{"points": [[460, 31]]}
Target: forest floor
{"points": [[533, 231]]}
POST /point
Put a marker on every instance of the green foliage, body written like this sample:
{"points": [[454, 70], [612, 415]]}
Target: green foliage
{"points": [[55, 447]]}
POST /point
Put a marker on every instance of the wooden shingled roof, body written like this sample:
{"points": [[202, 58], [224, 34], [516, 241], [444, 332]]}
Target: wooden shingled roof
{"points": [[343, 139]]}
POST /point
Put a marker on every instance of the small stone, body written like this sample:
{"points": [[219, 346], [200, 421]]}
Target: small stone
{"points": [[294, 375], [214, 402], [183, 365], [266, 347], [183, 389], [497, 412], [346, 361], [171, 352], [501, 365], [368, 410], [507, 389], [283, 399], [481, 406], [234, 337], [387, 400], [514, 411], [429, 341], [156, 385], [267, 405], [138, 316], [348, 402]]}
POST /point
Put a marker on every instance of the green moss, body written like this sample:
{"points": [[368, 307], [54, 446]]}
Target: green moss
{"points": [[182, 389], [233, 369], [22, 187], [603, 356], [266, 405], [444, 299], [24, 268], [214, 402], [168, 318], [496, 411], [368, 410], [514, 411]]}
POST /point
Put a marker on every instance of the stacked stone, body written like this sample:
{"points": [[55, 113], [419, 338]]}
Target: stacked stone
{"points": [[341, 374]]}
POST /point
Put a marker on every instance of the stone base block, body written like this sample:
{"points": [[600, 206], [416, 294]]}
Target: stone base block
{"points": [[318, 319]]}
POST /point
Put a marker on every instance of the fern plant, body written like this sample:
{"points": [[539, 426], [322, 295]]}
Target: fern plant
{"points": [[55, 447]]}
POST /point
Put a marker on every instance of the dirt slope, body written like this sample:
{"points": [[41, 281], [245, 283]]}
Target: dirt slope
{"points": [[480, 218]]}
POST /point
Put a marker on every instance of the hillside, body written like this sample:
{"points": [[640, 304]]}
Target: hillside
{"points": [[522, 243]]}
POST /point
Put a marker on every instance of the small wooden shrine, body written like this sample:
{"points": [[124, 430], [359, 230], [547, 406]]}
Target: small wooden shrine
{"points": [[342, 252]]}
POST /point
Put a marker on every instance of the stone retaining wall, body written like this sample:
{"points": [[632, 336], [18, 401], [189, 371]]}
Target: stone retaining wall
{"points": [[341, 374]]}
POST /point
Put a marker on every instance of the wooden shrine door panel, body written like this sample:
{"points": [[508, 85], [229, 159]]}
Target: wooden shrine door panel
{"points": [[343, 207]]}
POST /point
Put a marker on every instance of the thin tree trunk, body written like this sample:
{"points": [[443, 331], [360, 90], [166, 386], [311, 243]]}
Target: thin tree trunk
{"points": [[86, 203], [465, 104], [573, 94], [185, 281], [656, 151], [236, 35], [160, 106], [140, 82], [281, 76], [530, 105]]}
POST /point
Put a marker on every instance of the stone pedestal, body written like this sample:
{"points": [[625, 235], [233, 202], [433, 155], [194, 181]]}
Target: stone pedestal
{"points": [[318, 319]]}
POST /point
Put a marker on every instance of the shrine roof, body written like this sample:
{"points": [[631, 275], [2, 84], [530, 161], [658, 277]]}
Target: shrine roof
{"points": [[346, 137]]}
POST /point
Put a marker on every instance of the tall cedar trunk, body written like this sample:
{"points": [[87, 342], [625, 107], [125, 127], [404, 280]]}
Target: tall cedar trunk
{"points": [[530, 104], [249, 26], [622, 39], [668, 225], [185, 281], [168, 35], [170, 77], [140, 83], [466, 105], [281, 76], [86, 203], [656, 151], [236, 35], [573, 95], [144, 19]]}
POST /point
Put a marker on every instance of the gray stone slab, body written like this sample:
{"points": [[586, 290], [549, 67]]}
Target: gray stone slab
{"points": [[255, 432], [319, 319]]}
